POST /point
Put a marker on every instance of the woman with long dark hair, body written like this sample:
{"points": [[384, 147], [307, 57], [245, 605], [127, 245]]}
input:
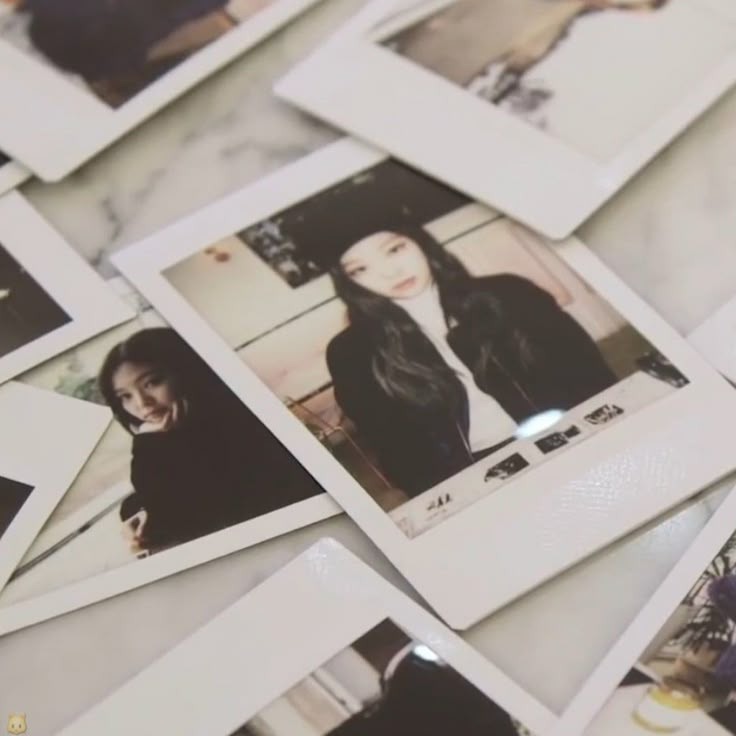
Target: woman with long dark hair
{"points": [[437, 368], [201, 461]]}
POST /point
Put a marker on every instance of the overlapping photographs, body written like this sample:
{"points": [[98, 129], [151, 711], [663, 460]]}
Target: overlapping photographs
{"points": [[12, 174], [488, 95], [269, 666], [184, 474], [46, 291], [672, 671], [29, 490], [424, 356], [100, 69]]}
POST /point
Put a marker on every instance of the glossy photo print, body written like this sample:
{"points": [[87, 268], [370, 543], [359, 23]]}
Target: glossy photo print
{"points": [[31, 418], [27, 312], [500, 81], [446, 374], [103, 67], [674, 667], [268, 666], [435, 348], [183, 461], [45, 291], [116, 49], [384, 684]]}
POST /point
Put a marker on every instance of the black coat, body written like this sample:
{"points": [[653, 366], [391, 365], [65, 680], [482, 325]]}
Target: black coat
{"points": [[430, 699], [557, 367], [220, 467]]}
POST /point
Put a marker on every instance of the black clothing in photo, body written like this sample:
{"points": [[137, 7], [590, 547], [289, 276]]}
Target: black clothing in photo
{"points": [[13, 495], [27, 312], [560, 367]]}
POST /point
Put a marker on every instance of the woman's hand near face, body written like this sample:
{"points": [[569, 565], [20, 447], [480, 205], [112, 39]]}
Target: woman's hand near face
{"points": [[166, 423], [134, 531]]}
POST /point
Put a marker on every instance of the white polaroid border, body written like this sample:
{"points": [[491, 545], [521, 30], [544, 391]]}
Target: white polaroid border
{"points": [[277, 635], [12, 175], [91, 305], [139, 572], [715, 339], [60, 126], [445, 131], [626, 652], [45, 439], [546, 520]]}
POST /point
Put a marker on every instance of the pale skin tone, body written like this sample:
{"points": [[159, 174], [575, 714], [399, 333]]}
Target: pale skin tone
{"points": [[388, 264], [148, 395]]}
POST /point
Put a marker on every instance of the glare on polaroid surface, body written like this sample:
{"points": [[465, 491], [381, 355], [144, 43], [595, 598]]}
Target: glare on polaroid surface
{"points": [[538, 423], [424, 652]]}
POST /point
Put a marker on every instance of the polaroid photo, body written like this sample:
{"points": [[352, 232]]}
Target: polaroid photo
{"points": [[12, 174], [39, 457], [88, 72], [456, 383], [715, 340], [673, 670], [185, 474], [50, 299], [269, 666], [540, 108]]}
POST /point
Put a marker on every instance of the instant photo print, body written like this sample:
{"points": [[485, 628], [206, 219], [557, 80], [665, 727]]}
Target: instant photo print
{"points": [[672, 671], [46, 291], [269, 666], [540, 108], [457, 384], [160, 495], [89, 72], [715, 340], [31, 419], [12, 174]]}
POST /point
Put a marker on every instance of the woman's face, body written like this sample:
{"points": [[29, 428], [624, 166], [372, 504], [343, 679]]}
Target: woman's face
{"points": [[388, 264], [146, 394]]}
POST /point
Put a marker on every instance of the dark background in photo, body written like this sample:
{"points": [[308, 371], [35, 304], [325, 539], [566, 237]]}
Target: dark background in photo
{"points": [[379, 189], [27, 312], [415, 692], [13, 495], [3, 159], [117, 48]]}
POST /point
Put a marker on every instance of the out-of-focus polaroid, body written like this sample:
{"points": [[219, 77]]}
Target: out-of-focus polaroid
{"points": [[269, 665], [44, 441], [673, 671], [460, 386], [540, 108], [12, 174], [89, 72], [152, 499], [715, 340], [50, 299]]}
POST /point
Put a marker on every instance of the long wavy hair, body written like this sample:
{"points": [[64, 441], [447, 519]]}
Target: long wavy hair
{"points": [[169, 354], [405, 364]]}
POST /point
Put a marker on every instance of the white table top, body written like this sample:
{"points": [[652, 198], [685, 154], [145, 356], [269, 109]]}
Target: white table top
{"points": [[669, 234]]}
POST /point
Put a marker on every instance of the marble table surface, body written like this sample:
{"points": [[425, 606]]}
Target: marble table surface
{"points": [[670, 235]]}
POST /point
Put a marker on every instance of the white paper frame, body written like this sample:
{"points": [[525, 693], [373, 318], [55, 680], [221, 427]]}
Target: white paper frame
{"points": [[274, 637], [59, 126], [12, 175], [139, 572], [44, 441], [715, 339], [603, 488], [445, 131], [91, 305], [625, 653]]}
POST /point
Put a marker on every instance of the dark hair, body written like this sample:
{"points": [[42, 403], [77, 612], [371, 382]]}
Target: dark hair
{"points": [[163, 349], [405, 364], [88, 37]]}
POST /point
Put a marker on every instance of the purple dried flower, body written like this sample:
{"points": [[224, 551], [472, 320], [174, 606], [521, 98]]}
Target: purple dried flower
{"points": [[722, 593]]}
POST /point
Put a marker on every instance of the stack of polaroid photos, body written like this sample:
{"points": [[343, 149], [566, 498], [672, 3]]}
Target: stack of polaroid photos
{"points": [[407, 333]]}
